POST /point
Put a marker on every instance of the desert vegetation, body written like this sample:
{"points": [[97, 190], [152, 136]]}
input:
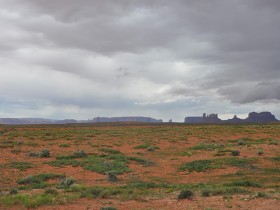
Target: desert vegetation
{"points": [[139, 166]]}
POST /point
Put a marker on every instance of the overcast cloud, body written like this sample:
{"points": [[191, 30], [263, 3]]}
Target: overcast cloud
{"points": [[158, 58]]}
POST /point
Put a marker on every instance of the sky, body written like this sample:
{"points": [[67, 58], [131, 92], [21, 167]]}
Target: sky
{"points": [[156, 58]]}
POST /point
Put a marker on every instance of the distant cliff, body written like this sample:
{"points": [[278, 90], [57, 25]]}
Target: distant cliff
{"points": [[253, 117], [261, 117], [126, 119], [212, 118], [19, 121]]}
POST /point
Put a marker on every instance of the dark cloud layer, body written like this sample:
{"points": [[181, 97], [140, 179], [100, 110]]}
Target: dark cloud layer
{"points": [[95, 55]]}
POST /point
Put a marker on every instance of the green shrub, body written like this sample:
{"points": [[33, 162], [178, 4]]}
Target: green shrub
{"points": [[141, 161], [28, 201], [108, 208], [197, 165], [39, 178], [16, 151], [233, 161], [64, 145], [77, 154], [187, 153], [228, 191], [205, 193], [141, 184], [241, 142], [185, 194], [65, 162], [102, 166], [273, 142], [66, 183], [44, 153], [21, 165], [33, 154], [235, 153], [29, 180], [51, 191], [260, 152], [38, 181], [277, 158], [206, 146], [145, 146], [110, 151], [101, 163], [204, 165], [244, 183], [13, 191], [151, 148], [112, 176], [95, 192], [261, 195]]}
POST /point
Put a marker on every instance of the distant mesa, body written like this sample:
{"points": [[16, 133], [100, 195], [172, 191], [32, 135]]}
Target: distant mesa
{"points": [[212, 118], [67, 121], [235, 119], [19, 121], [125, 119], [261, 117], [253, 117]]}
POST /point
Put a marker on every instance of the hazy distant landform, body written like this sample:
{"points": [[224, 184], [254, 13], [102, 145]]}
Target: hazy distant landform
{"points": [[253, 117], [68, 121], [15, 121], [126, 119]]}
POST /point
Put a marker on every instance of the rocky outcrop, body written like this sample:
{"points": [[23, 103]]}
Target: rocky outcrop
{"points": [[212, 118], [253, 117], [235, 119], [261, 117]]}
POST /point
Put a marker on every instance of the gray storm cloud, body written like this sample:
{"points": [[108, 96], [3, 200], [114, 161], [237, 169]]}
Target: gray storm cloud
{"points": [[100, 54]]}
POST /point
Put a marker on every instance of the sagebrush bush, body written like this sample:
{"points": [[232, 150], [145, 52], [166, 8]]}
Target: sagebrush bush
{"points": [[205, 193], [151, 148], [260, 152], [261, 195], [13, 191], [273, 142], [44, 153], [66, 183], [235, 153], [241, 142], [51, 191], [108, 208], [197, 165], [79, 154], [185, 194], [112, 176]]}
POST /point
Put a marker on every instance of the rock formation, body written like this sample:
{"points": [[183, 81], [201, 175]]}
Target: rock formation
{"points": [[235, 119], [253, 117], [212, 118], [261, 117]]}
